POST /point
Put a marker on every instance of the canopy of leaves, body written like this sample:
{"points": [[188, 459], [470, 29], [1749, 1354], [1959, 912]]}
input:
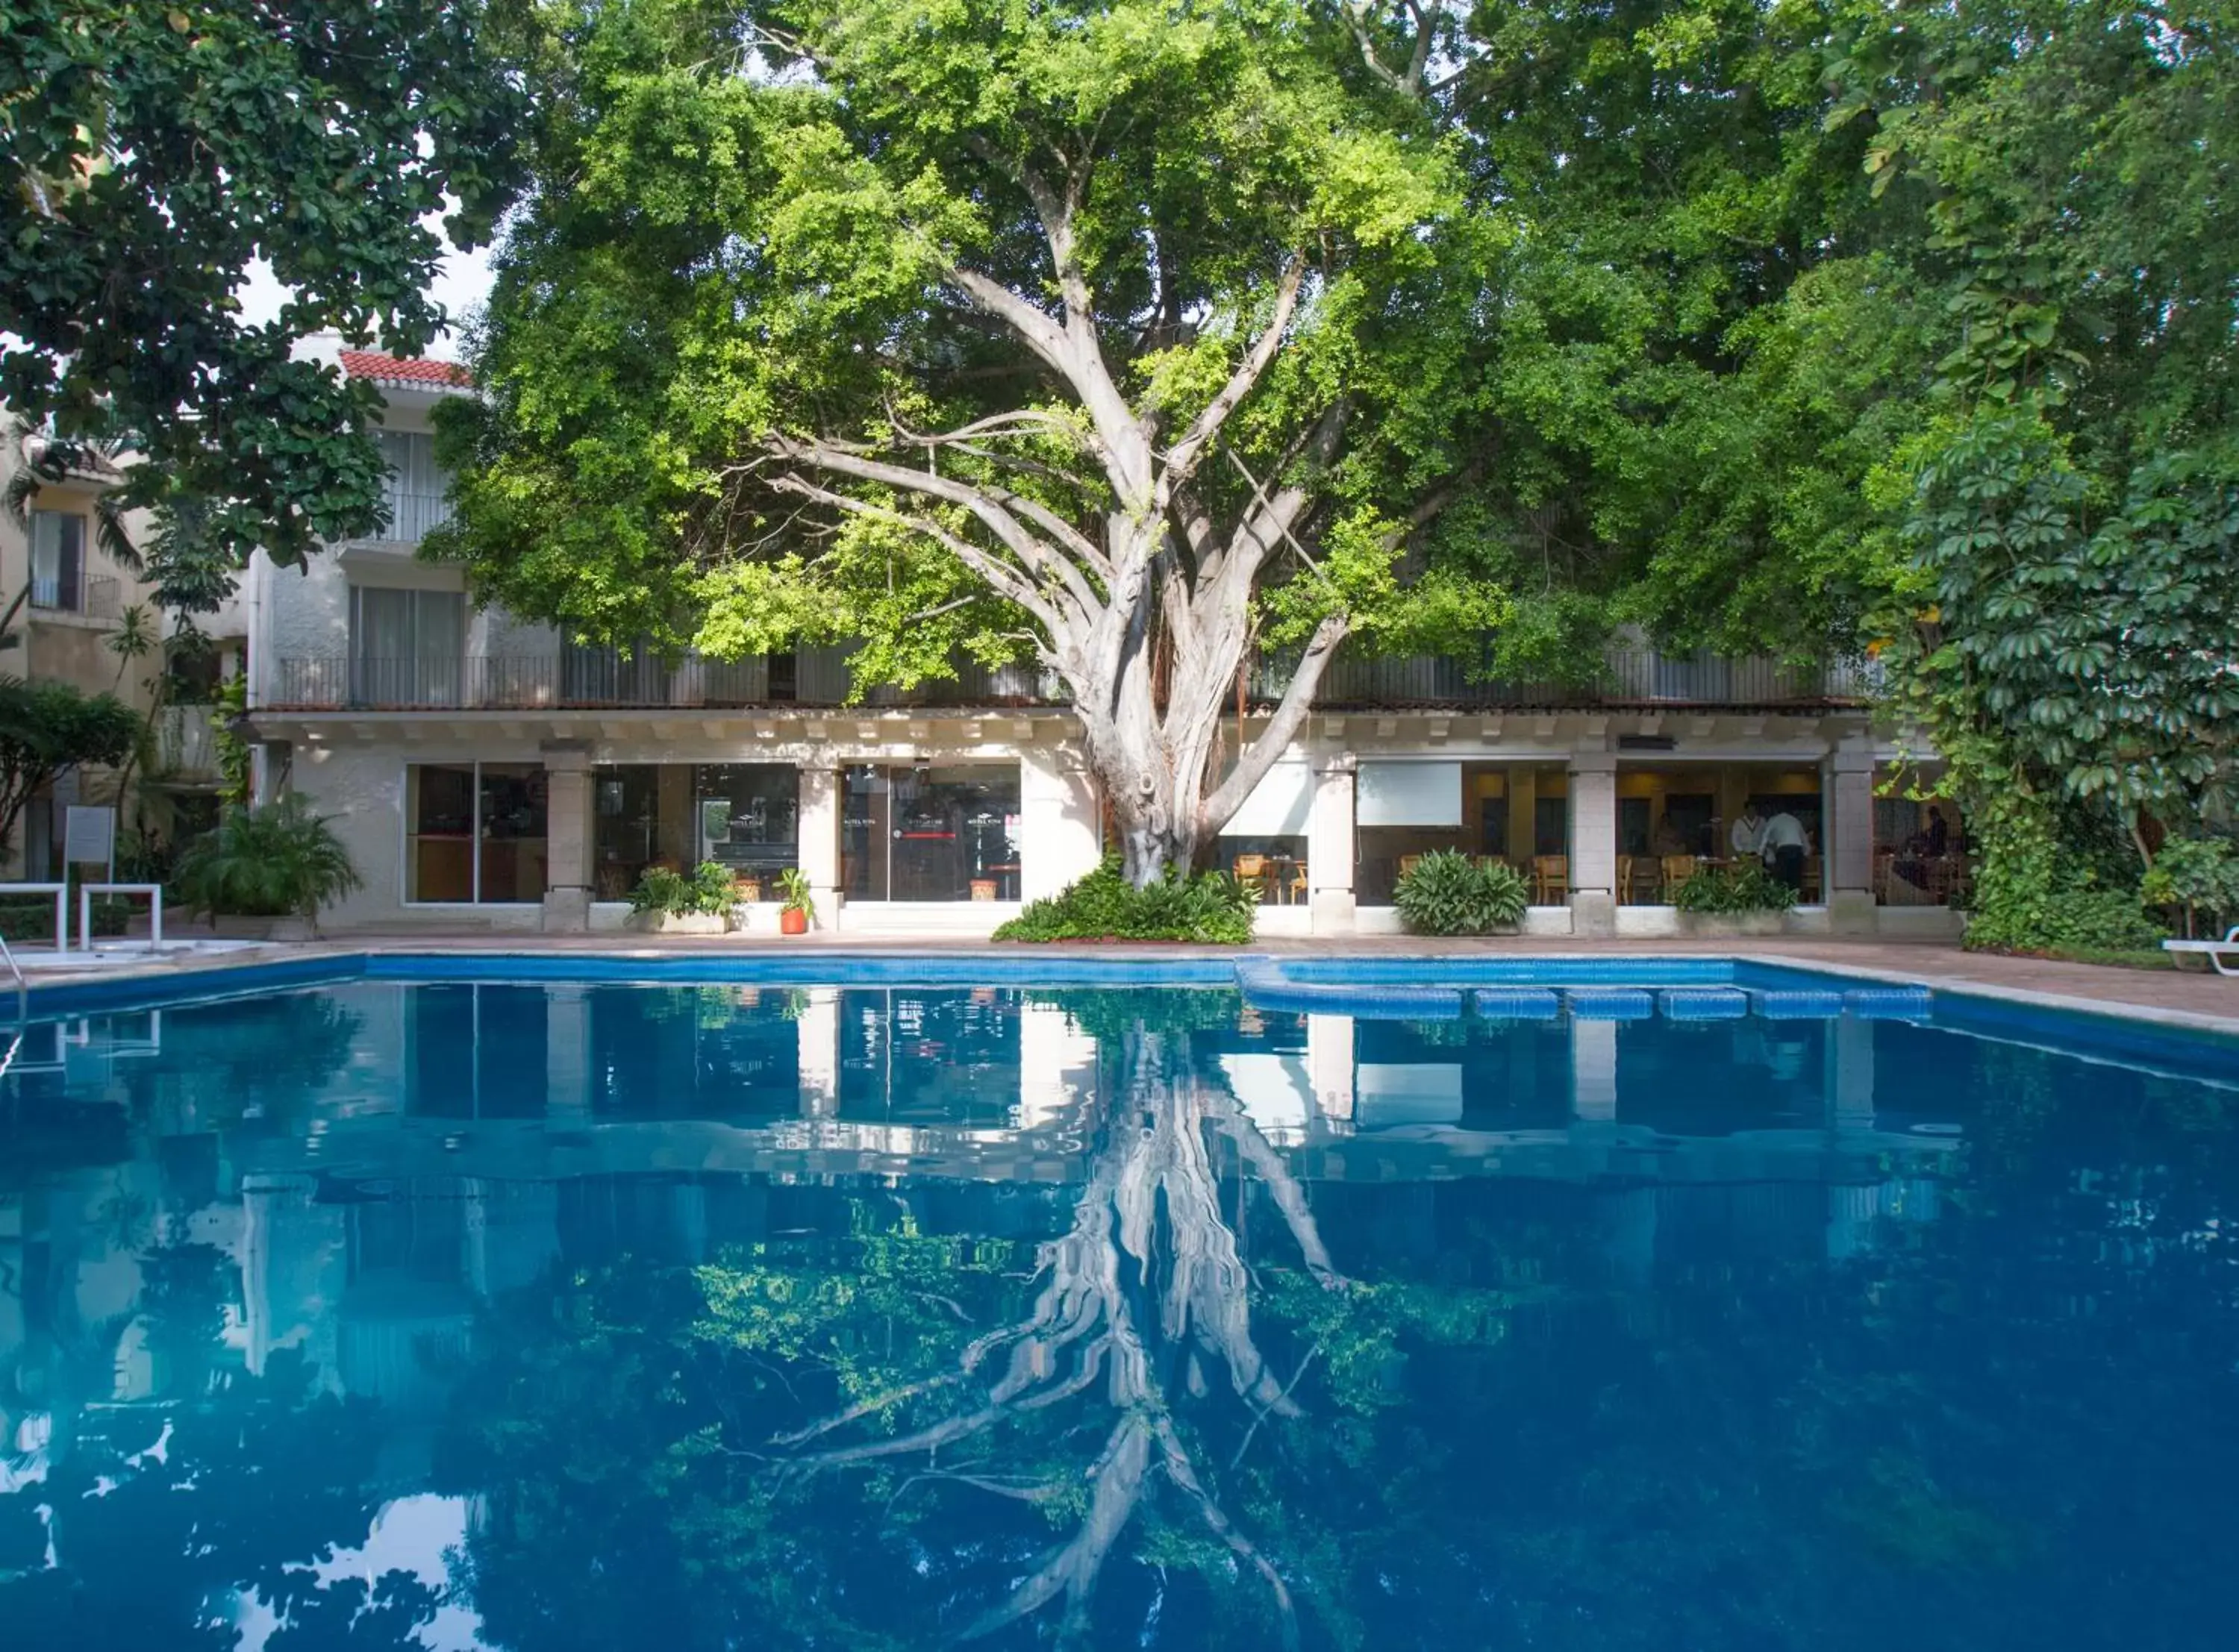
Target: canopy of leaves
{"points": [[152, 153], [47, 729]]}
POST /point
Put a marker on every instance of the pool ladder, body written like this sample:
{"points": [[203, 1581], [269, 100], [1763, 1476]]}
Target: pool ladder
{"points": [[22, 1005]]}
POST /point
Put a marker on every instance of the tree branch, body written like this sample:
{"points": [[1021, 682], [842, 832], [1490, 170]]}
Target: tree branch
{"points": [[1182, 457], [1252, 765]]}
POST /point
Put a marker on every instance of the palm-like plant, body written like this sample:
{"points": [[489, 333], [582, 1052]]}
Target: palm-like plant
{"points": [[280, 860]]}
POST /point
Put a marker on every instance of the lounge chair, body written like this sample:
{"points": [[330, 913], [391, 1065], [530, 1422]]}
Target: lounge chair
{"points": [[2216, 953]]}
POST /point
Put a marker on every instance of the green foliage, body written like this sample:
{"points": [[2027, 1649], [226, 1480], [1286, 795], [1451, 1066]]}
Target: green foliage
{"points": [[793, 886], [2198, 876], [711, 891], [1745, 888], [47, 729], [31, 918], [1445, 892], [154, 151], [235, 753], [279, 861], [2034, 893], [1210, 907]]}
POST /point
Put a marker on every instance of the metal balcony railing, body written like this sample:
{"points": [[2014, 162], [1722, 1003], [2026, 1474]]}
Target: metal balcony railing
{"points": [[600, 679], [93, 596], [413, 516], [606, 679], [186, 745], [1629, 677]]}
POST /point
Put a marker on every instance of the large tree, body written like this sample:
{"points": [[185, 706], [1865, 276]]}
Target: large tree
{"points": [[152, 152], [1123, 336]]}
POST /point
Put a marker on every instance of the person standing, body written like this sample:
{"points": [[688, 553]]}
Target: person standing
{"points": [[1747, 837], [1939, 834], [1784, 846]]}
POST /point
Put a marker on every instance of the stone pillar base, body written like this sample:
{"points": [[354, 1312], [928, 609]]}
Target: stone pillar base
{"points": [[1334, 911], [1851, 911], [827, 908], [1592, 912], [567, 912]]}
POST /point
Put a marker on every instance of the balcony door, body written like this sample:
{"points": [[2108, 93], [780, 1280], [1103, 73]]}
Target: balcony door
{"points": [[58, 561], [407, 647]]}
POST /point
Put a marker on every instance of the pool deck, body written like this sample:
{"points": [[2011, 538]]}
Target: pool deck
{"points": [[2168, 995]]}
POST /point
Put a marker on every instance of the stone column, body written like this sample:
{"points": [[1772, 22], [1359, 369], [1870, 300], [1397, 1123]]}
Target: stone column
{"points": [[1848, 852], [1329, 844], [819, 840], [1593, 843], [1060, 836], [566, 837]]}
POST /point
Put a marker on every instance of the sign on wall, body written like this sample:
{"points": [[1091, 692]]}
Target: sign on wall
{"points": [[1279, 805], [1409, 794], [89, 837]]}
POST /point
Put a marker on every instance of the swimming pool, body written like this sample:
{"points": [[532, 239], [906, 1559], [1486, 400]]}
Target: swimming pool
{"points": [[483, 1302]]}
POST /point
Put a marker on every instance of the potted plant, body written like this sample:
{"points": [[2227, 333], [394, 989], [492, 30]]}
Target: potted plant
{"points": [[799, 907], [672, 904], [1745, 899], [1445, 892], [281, 861]]}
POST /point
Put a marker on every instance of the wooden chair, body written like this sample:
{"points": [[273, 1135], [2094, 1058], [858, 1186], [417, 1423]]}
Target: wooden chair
{"points": [[1551, 879], [1625, 880], [1813, 892], [1644, 875], [1675, 869], [1408, 863], [1299, 885], [1252, 872]]}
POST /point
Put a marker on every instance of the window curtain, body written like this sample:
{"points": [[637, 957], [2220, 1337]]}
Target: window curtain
{"points": [[57, 559]]}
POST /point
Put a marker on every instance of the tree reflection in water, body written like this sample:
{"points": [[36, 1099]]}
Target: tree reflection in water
{"points": [[1145, 1292]]}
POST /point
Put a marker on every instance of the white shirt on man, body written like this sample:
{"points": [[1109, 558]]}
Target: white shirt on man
{"points": [[1784, 831], [1748, 835]]}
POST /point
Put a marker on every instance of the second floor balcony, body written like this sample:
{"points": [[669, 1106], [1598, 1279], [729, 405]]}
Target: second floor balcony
{"points": [[88, 596], [601, 678]]}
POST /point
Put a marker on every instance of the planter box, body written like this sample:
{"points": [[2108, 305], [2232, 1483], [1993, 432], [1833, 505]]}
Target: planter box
{"points": [[1730, 925], [672, 924]]}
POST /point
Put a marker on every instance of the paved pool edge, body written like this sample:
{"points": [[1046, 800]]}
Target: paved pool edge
{"points": [[286, 968]]}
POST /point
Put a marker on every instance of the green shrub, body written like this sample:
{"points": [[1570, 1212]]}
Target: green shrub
{"points": [[2033, 893], [1210, 907], [710, 890], [1730, 890], [278, 861], [1447, 893], [31, 918], [2198, 877]]}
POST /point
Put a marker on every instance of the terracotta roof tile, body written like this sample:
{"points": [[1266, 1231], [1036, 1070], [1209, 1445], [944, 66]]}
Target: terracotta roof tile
{"points": [[396, 369]]}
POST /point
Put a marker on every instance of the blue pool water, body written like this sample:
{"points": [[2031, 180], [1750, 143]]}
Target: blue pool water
{"points": [[1696, 1309]]}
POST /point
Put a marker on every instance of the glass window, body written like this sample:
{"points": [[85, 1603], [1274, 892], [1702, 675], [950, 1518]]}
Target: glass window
{"points": [[475, 832], [407, 647], [415, 488], [929, 832], [513, 832], [749, 816], [1510, 812], [58, 561]]}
